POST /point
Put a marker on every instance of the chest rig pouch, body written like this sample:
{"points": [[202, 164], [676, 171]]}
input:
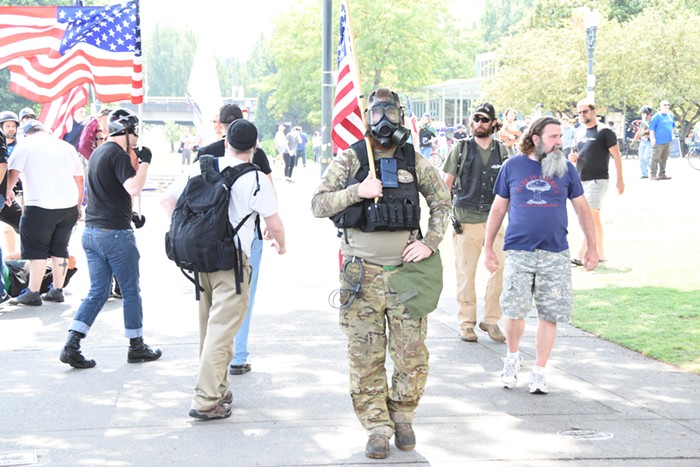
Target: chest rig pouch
{"points": [[398, 209]]}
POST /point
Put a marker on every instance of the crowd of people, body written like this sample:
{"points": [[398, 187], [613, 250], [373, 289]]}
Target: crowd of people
{"points": [[372, 192]]}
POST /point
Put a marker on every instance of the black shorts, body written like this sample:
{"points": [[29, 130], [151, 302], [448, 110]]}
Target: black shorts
{"points": [[11, 214], [46, 232]]}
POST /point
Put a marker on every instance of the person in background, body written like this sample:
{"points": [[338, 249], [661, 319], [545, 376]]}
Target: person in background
{"points": [[596, 143], [26, 115], [661, 134], [426, 135], [301, 149], [642, 135], [316, 145], [52, 180], [470, 172], [75, 127], [10, 213]]}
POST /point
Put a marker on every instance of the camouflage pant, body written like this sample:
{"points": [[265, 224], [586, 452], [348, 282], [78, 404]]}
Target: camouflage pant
{"points": [[376, 308], [544, 275]]}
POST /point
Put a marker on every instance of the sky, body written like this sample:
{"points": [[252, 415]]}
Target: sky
{"points": [[246, 19]]}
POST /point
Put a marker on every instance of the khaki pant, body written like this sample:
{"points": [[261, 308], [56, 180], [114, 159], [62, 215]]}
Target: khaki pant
{"points": [[221, 314], [468, 246]]}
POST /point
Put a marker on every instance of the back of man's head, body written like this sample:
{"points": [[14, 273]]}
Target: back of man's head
{"points": [[229, 113], [242, 135]]}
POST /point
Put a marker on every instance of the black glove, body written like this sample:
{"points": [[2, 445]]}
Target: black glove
{"points": [[136, 219], [144, 154]]}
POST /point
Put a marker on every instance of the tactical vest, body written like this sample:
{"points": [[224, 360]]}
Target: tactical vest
{"points": [[476, 180], [397, 209]]}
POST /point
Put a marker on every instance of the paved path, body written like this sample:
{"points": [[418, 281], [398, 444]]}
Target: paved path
{"points": [[293, 408]]}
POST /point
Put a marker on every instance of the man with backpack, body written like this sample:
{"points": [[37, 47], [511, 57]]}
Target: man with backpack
{"points": [[223, 280], [470, 173]]}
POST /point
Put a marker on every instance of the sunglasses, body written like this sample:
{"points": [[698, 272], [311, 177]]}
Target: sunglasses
{"points": [[479, 118], [584, 112]]}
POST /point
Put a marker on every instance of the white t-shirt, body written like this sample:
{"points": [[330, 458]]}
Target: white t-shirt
{"points": [[243, 199], [47, 166]]}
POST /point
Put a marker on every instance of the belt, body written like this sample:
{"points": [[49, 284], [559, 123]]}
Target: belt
{"points": [[387, 267]]}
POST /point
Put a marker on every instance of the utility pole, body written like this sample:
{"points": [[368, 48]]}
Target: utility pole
{"points": [[327, 85]]}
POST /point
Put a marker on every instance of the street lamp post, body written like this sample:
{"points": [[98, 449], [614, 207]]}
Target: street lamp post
{"points": [[590, 21]]}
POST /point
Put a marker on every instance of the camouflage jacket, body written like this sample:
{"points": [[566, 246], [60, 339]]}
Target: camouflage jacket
{"points": [[333, 195]]}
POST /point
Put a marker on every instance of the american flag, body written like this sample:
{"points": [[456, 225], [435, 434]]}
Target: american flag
{"points": [[51, 50], [55, 115], [347, 127]]}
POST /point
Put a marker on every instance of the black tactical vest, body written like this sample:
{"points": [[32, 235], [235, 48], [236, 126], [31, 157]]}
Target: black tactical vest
{"points": [[397, 209], [476, 180]]}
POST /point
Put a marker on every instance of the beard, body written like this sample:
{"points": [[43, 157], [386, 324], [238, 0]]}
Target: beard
{"points": [[552, 160]]}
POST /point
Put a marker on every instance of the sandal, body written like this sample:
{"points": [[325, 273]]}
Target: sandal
{"points": [[577, 262]]}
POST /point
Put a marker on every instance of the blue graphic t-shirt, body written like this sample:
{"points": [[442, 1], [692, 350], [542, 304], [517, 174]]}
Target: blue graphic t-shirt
{"points": [[537, 218]]}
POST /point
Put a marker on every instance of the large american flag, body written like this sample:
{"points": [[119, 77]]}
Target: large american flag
{"points": [[51, 50], [347, 127]]}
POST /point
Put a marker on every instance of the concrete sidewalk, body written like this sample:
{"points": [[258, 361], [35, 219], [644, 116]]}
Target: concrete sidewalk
{"points": [[294, 407]]}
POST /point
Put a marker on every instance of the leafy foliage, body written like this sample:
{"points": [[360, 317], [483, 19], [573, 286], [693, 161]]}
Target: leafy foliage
{"points": [[168, 55]]}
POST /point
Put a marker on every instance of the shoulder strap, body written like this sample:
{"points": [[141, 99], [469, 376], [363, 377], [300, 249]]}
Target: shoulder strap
{"points": [[360, 149], [463, 152]]}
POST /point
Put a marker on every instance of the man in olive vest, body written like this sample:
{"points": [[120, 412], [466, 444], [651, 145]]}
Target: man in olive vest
{"points": [[470, 172]]}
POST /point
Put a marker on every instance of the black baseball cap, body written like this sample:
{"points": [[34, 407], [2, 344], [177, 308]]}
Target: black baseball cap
{"points": [[486, 110], [242, 135]]}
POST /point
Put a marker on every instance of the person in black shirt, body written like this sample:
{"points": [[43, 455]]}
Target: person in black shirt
{"points": [[595, 143], [108, 238]]}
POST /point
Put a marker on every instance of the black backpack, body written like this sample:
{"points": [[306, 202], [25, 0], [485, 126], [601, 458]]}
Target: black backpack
{"points": [[201, 238]]}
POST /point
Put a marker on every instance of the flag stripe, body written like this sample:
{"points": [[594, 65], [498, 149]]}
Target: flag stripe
{"points": [[347, 126], [55, 115]]}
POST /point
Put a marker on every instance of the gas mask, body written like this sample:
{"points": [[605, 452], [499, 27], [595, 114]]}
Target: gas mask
{"points": [[385, 124]]}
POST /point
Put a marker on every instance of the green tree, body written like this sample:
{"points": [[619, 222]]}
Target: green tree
{"points": [[398, 44], [172, 133], [500, 18], [168, 55]]}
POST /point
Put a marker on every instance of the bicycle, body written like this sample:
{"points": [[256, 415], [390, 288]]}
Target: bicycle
{"points": [[437, 160], [693, 155]]}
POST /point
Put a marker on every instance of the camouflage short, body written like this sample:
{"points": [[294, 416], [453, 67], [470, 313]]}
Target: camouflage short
{"points": [[542, 275]]}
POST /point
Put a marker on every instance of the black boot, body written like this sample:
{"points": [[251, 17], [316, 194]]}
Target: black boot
{"points": [[140, 352], [71, 352]]}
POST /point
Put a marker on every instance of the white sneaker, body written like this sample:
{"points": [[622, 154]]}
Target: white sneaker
{"points": [[509, 377], [538, 383]]}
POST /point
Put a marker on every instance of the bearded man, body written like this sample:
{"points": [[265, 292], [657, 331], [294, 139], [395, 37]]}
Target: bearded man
{"points": [[533, 188]]}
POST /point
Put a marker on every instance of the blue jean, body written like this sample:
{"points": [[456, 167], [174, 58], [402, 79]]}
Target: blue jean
{"points": [[240, 353], [426, 151], [111, 253], [644, 157]]}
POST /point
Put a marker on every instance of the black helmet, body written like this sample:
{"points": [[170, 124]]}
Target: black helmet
{"points": [[27, 112], [9, 116], [121, 121], [646, 110]]}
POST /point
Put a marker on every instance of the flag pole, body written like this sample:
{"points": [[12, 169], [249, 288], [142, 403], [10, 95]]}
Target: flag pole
{"points": [[370, 152]]}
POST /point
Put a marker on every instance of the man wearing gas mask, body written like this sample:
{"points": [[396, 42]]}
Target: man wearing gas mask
{"points": [[378, 222], [470, 173]]}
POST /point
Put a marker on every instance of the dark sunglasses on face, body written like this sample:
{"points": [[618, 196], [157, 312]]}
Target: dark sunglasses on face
{"points": [[479, 118], [584, 112]]}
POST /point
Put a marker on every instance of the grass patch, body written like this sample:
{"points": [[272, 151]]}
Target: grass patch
{"points": [[662, 323]]}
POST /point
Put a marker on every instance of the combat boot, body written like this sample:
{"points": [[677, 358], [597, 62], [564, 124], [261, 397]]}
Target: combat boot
{"points": [[71, 352], [404, 437], [140, 352], [377, 447]]}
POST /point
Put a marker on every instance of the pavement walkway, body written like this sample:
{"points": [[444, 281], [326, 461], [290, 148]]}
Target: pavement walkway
{"points": [[608, 406]]}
